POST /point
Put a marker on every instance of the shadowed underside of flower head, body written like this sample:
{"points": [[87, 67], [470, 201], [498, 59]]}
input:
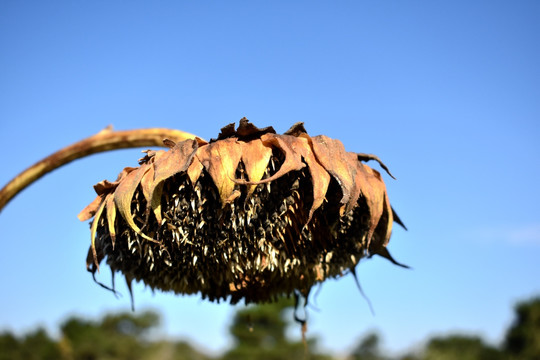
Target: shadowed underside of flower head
{"points": [[251, 215]]}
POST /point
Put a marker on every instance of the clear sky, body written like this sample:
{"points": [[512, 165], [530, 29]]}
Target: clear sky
{"points": [[447, 93]]}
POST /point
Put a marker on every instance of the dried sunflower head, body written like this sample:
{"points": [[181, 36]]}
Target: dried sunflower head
{"points": [[251, 215]]}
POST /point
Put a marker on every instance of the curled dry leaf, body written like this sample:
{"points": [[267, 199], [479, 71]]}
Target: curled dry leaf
{"points": [[251, 216]]}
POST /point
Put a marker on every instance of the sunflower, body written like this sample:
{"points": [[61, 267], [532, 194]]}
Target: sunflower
{"points": [[251, 215]]}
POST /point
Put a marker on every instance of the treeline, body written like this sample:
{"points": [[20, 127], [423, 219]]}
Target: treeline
{"points": [[259, 333]]}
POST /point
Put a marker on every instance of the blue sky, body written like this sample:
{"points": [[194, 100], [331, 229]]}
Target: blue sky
{"points": [[447, 93]]}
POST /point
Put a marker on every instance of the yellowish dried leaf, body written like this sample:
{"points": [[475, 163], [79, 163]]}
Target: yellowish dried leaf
{"points": [[293, 160], [319, 176], [374, 192], [151, 190], [93, 229], [155, 202], [220, 159], [102, 188], [90, 210], [174, 161], [332, 156], [124, 194], [255, 156], [194, 170], [387, 231], [111, 217]]}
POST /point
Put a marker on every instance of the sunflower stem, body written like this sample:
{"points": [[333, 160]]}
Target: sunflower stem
{"points": [[105, 140]]}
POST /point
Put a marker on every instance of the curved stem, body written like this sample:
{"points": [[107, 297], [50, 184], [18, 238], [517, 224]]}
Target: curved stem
{"points": [[105, 140]]}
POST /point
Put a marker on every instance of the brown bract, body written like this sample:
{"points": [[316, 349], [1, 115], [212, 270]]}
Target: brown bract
{"points": [[251, 215]]}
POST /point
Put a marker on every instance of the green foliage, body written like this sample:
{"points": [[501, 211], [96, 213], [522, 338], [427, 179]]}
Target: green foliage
{"points": [[167, 350], [368, 349], [523, 338], [36, 345], [460, 347], [119, 336], [259, 332], [522, 341], [115, 336]]}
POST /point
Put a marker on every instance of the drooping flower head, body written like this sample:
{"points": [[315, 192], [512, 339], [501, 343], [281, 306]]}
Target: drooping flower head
{"points": [[251, 215]]}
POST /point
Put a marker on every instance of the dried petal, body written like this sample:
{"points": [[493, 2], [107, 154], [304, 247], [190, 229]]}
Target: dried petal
{"points": [[194, 170], [152, 191], [125, 171], [359, 180], [147, 184], [247, 129], [111, 217], [91, 209], [293, 160], [320, 179], [386, 254], [221, 160], [124, 194], [226, 132], [165, 165], [255, 156], [367, 157], [387, 215], [296, 130], [176, 160], [93, 229], [155, 201], [319, 176], [332, 156], [397, 219], [374, 192], [103, 188]]}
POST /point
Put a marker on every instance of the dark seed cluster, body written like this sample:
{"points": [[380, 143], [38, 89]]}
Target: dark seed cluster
{"points": [[256, 247]]}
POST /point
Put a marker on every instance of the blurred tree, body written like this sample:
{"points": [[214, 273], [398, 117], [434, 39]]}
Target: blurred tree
{"points": [[523, 338], [9, 346], [115, 336], [368, 349], [39, 346], [460, 347], [259, 333], [36, 345], [119, 336], [167, 350]]}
